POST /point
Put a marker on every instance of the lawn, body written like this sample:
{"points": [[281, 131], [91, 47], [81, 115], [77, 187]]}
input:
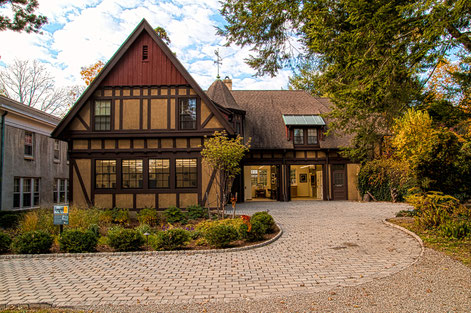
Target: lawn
{"points": [[457, 249]]}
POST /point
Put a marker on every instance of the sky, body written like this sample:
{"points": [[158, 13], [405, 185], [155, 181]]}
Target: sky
{"points": [[81, 32]]}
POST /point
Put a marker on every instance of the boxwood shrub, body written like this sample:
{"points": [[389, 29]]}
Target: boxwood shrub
{"points": [[266, 219], [195, 211], [5, 243], [122, 239], [76, 241], [221, 235], [175, 215], [256, 232], [33, 242], [171, 239]]}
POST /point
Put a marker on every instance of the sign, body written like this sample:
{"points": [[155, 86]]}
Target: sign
{"points": [[61, 215]]}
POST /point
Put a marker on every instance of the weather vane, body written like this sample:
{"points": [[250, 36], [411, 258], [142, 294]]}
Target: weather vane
{"points": [[218, 61]]}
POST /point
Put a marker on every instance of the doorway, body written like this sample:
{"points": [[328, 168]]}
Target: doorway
{"points": [[339, 182], [306, 182], [261, 183]]}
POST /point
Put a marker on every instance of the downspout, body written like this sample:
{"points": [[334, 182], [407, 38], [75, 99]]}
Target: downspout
{"points": [[2, 152]]}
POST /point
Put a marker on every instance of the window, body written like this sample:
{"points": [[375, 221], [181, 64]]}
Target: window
{"points": [[16, 193], [103, 115], [262, 177], [254, 177], [25, 192], [105, 174], [57, 150], [187, 113], [29, 139], [187, 173], [60, 190], [312, 136], [298, 136], [292, 177], [159, 173], [132, 173]]}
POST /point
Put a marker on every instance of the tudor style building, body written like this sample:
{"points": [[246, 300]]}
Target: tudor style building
{"points": [[135, 136]]}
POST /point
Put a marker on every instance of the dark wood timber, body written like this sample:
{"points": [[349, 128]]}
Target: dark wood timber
{"points": [[84, 190]]}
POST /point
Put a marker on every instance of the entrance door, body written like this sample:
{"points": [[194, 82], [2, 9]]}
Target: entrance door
{"points": [[339, 182]]}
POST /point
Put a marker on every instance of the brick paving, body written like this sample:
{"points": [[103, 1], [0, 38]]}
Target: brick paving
{"points": [[324, 245]]}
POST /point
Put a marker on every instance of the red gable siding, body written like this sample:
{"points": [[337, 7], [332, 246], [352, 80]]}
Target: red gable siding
{"points": [[131, 70]]}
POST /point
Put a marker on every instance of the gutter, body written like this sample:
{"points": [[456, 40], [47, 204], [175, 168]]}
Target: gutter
{"points": [[2, 153]]}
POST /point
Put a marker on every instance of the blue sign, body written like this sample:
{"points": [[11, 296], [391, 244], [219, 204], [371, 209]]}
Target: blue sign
{"points": [[61, 215]]}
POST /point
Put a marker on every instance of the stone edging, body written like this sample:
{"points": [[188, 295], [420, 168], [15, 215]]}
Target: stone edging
{"points": [[413, 235], [150, 253]]}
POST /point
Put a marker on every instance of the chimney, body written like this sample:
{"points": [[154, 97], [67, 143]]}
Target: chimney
{"points": [[228, 82]]}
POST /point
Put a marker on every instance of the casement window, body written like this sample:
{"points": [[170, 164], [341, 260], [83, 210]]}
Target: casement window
{"points": [[132, 173], [187, 113], [292, 177], [254, 177], [186, 171], [57, 150], [298, 136], [312, 136], [60, 190], [159, 173], [29, 141], [26, 192], [105, 174], [259, 177], [102, 115]]}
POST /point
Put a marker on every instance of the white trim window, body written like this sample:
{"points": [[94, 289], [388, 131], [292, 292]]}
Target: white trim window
{"points": [[26, 192], [60, 190], [29, 143]]}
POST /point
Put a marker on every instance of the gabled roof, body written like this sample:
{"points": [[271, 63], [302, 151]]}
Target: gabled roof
{"points": [[264, 118], [143, 26], [19, 108], [219, 93]]}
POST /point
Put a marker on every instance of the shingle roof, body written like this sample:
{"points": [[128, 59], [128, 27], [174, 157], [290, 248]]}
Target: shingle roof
{"points": [[264, 116], [219, 93]]}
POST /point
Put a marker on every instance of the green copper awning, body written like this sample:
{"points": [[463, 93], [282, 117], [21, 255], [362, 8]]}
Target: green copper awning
{"points": [[303, 120]]}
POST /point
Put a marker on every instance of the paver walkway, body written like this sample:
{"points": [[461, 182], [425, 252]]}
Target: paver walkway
{"points": [[325, 244]]}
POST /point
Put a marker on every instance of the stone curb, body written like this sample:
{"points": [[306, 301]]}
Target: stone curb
{"points": [[149, 253], [413, 235]]}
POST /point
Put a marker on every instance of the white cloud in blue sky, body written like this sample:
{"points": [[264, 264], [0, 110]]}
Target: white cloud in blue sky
{"points": [[81, 32]]}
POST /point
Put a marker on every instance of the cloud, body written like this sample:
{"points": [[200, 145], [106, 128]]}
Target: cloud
{"points": [[81, 32]]}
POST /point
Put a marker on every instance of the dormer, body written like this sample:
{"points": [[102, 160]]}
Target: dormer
{"points": [[305, 131]]}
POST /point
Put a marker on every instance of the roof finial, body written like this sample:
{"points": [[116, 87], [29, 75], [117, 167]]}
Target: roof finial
{"points": [[218, 61]]}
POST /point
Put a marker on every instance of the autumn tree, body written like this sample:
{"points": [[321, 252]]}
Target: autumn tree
{"points": [[162, 33], [30, 83], [222, 155], [367, 56], [21, 16], [88, 73]]}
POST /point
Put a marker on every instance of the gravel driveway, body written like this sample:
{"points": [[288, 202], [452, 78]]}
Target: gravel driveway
{"points": [[325, 245]]}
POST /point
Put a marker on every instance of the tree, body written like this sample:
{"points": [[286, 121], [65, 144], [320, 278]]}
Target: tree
{"points": [[30, 83], [367, 56], [24, 18], [223, 155], [88, 73], [162, 33]]}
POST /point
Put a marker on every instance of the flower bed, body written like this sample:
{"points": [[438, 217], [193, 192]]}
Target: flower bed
{"points": [[91, 230]]}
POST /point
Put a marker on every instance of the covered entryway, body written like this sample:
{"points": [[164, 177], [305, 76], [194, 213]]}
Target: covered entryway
{"points": [[306, 182], [261, 183]]}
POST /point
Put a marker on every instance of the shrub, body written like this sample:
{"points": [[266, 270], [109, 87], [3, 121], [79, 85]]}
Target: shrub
{"points": [[385, 178], [144, 228], [406, 213], [433, 208], [205, 225], [95, 229], [195, 211], [5, 243], [175, 215], [38, 219], [266, 219], [76, 241], [257, 230], [117, 216], [171, 239], [33, 242], [148, 216], [221, 235], [9, 220], [456, 229], [83, 218], [122, 239]]}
